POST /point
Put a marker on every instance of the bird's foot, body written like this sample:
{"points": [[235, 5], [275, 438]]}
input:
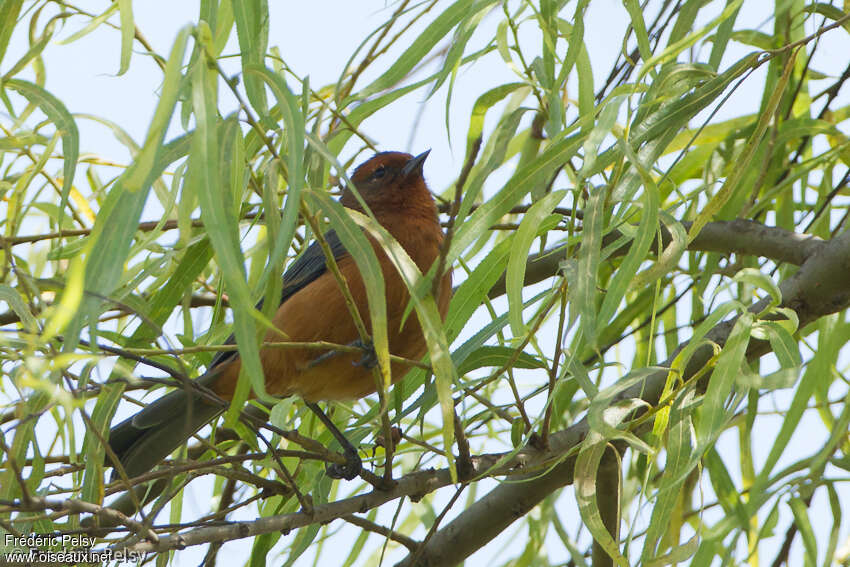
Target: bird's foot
{"points": [[352, 467], [369, 360]]}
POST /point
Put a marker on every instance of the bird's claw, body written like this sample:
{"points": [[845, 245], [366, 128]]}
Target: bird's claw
{"points": [[369, 360], [352, 467]]}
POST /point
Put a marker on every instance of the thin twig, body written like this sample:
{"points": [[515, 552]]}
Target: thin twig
{"points": [[553, 370], [407, 542], [436, 523], [74, 506], [455, 208]]}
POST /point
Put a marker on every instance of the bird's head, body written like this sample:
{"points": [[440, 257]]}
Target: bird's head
{"points": [[390, 181]]}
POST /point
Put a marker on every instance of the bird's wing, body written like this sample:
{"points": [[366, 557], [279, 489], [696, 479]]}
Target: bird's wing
{"points": [[306, 268], [310, 265]]}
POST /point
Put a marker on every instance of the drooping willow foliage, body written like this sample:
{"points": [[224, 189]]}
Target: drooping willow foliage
{"points": [[645, 361]]}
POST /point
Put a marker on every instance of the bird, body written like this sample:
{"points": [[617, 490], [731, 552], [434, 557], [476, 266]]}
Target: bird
{"points": [[313, 308]]}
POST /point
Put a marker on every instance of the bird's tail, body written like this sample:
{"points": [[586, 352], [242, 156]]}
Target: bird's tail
{"points": [[144, 440]]}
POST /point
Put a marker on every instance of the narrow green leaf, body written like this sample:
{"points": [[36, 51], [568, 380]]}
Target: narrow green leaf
{"points": [[484, 103], [220, 220], [489, 330], [668, 258], [471, 293], [193, 262], [522, 239], [12, 297], [494, 154], [783, 344], [639, 247], [108, 245], [517, 432], [807, 533], [607, 410], [713, 413], [128, 33], [710, 134], [755, 38], [64, 122], [262, 544], [721, 38], [465, 29], [803, 128], [9, 10], [677, 113], [681, 460], [639, 27], [677, 46], [138, 175], [35, 50], [831, 337], [432, 327], [830, 11], [16, 215], [586, 95], [678, 554], [686, 20], [22, 442], [742, 164], [420, 47], [601, 130], [588, 263], [835, 507], [497, 356], [724, 487], [91, 24], [476, 224], [294, 122], [587, 465], [104, 409], [364, 109], [223, 25], [69, 303], [345, 222], [341, 136], [702, 329], [574, 31], [252, 30]]}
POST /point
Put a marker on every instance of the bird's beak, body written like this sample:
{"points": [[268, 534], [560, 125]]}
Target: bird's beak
{"points": [[415, 164]]}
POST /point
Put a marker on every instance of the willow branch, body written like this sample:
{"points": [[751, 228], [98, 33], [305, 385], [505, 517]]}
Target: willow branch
{"points": [[819, 288], [743, 237]]}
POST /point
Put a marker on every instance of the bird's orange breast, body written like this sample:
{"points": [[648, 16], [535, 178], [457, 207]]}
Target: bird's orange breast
{"points": [[318, 312]]}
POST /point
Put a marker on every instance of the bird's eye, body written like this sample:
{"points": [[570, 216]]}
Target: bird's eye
{"points": [[379, 172]]}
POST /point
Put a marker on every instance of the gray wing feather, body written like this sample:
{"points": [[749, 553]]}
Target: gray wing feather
{"points": [[306, 268]]}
